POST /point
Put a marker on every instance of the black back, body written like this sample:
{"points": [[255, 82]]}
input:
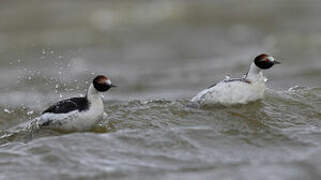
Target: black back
{"points": [[238, 79], [212, 86], [68, 105]]}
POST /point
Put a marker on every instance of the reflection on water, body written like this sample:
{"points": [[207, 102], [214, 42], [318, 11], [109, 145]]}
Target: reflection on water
{"points": [[166, 50]]}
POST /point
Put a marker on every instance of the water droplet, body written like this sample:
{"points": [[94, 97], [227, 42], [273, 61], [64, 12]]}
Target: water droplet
{"points": [[29, 77], [30, 112], [265, 79], [51, 52], [43, 51], [57, 86], [60, 95], [105, 115]]}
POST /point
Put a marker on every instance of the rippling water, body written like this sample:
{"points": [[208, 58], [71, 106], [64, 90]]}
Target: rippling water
{"points": [[276, 137], [160, 54]]}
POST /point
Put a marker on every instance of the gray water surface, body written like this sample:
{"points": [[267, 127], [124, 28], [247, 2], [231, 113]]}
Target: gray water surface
{"points": [[160, 54]]}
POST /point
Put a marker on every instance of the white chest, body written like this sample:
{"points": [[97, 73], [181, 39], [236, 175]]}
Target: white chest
{"points": [[95, 111]]}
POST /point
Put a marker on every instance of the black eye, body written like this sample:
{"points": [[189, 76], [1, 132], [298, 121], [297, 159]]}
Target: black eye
{"points": [[102, 87]]}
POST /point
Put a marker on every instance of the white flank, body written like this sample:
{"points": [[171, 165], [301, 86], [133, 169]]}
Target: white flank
{"points": [[235, 92], [75, 120]]}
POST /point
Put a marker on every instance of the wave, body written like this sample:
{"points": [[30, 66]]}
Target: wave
{"points": [[297, 106]]}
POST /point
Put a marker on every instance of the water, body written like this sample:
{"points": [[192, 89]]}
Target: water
{"points": [[160, 54]]}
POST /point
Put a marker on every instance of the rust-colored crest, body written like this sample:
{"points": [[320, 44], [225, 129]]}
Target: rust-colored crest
{"points": [[101, 79]]}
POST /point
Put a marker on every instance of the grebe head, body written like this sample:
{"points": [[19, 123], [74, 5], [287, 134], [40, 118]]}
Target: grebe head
{"points": [[102, 83], [264, 61]]}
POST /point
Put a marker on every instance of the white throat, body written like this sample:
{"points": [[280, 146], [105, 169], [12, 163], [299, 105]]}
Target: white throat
{"points": [[93, 94], [254, 72]]}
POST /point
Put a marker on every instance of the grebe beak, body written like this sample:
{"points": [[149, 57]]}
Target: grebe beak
{"points": [[277, 62]]}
